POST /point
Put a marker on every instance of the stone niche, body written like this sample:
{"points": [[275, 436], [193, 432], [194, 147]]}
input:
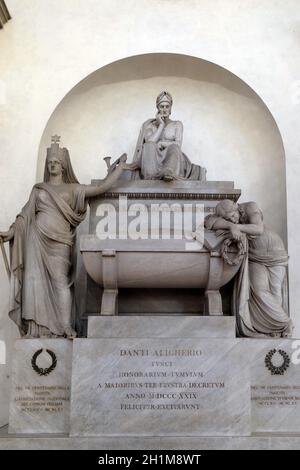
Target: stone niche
{"points": [[227, 129]]}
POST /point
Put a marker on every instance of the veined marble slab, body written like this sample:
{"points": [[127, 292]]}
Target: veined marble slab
{"points": [[162, 326], [41, 379], [160, 387], [275, 403]]}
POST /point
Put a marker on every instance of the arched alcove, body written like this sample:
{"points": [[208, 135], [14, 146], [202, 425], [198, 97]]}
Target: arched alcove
{"points": [[227, 127]]}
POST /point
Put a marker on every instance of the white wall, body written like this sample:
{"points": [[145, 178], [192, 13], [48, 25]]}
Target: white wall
{"points": [[49, 46]]}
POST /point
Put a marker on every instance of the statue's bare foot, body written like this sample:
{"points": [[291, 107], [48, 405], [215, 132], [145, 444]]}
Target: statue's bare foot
{"points": [[286, 334], [275, 335], [168, 178], [289, 331], [70, 333]]}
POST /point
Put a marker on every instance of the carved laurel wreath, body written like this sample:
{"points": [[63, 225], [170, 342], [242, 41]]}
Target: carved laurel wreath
{"points": [[277, 370], [46, 370], [233, 260]]}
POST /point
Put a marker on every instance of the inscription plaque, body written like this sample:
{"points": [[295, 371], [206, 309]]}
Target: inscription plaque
{"points": [[159, 387], [41, 382], [275, 390]]}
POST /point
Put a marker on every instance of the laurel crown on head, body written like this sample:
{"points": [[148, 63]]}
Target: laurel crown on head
{"points": [[164, 96]]}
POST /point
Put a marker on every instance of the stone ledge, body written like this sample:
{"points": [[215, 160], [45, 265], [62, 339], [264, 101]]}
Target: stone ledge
{"points": [[63, 442]]}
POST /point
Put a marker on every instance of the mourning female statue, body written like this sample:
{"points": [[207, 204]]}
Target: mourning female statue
{"points": [[41, 241], [158, 152], [260, 297]]}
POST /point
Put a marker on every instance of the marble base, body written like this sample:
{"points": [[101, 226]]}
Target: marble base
{"points": [[40, 393], [172, 383], [162, 326], [178, 387], [51, 442]]}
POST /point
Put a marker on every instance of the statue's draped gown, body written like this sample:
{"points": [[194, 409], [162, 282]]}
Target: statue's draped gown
{"points": [[260, 296], [41, 257], [260, 293]]}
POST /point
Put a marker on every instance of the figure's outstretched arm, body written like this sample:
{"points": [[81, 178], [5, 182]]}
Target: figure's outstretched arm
{"points": [[218, 224], [254, 228], [108, 182]]}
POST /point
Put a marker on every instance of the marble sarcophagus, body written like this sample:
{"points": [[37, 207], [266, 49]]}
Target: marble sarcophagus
{"points": [[141, 259], [163, 264]]}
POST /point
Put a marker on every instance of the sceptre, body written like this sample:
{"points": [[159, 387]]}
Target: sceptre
{"points": [[5, 258]]}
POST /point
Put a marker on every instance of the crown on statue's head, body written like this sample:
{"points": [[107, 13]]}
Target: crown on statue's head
{"points": [[55, 150]]}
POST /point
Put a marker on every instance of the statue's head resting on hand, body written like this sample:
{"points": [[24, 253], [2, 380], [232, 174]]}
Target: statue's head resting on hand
{"points": [[164, 103], [229, 210]]}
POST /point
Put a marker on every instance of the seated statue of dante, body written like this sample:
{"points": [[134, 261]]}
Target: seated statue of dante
{"points": [[158, 153]]}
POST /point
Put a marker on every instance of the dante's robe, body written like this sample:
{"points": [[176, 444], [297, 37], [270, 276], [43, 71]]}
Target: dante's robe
{"points": [[151, 159]]}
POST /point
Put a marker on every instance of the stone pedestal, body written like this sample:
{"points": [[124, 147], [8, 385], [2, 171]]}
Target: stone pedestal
{"points": [[156, 382], [41, 380], [275, 385], [178, 387], [161, 376]]}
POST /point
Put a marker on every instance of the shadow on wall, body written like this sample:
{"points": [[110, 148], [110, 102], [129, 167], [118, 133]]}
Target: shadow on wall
{"points": [[164, 65]]}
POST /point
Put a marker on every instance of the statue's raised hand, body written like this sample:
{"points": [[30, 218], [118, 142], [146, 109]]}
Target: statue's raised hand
{"points": [[123, 158], [235, 233], [127, 166], [159, 119], [117, 163], [121, 164]]}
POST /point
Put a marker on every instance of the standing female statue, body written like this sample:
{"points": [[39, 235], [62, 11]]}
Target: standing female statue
{"points": [[41, 241], [158, 152]]}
